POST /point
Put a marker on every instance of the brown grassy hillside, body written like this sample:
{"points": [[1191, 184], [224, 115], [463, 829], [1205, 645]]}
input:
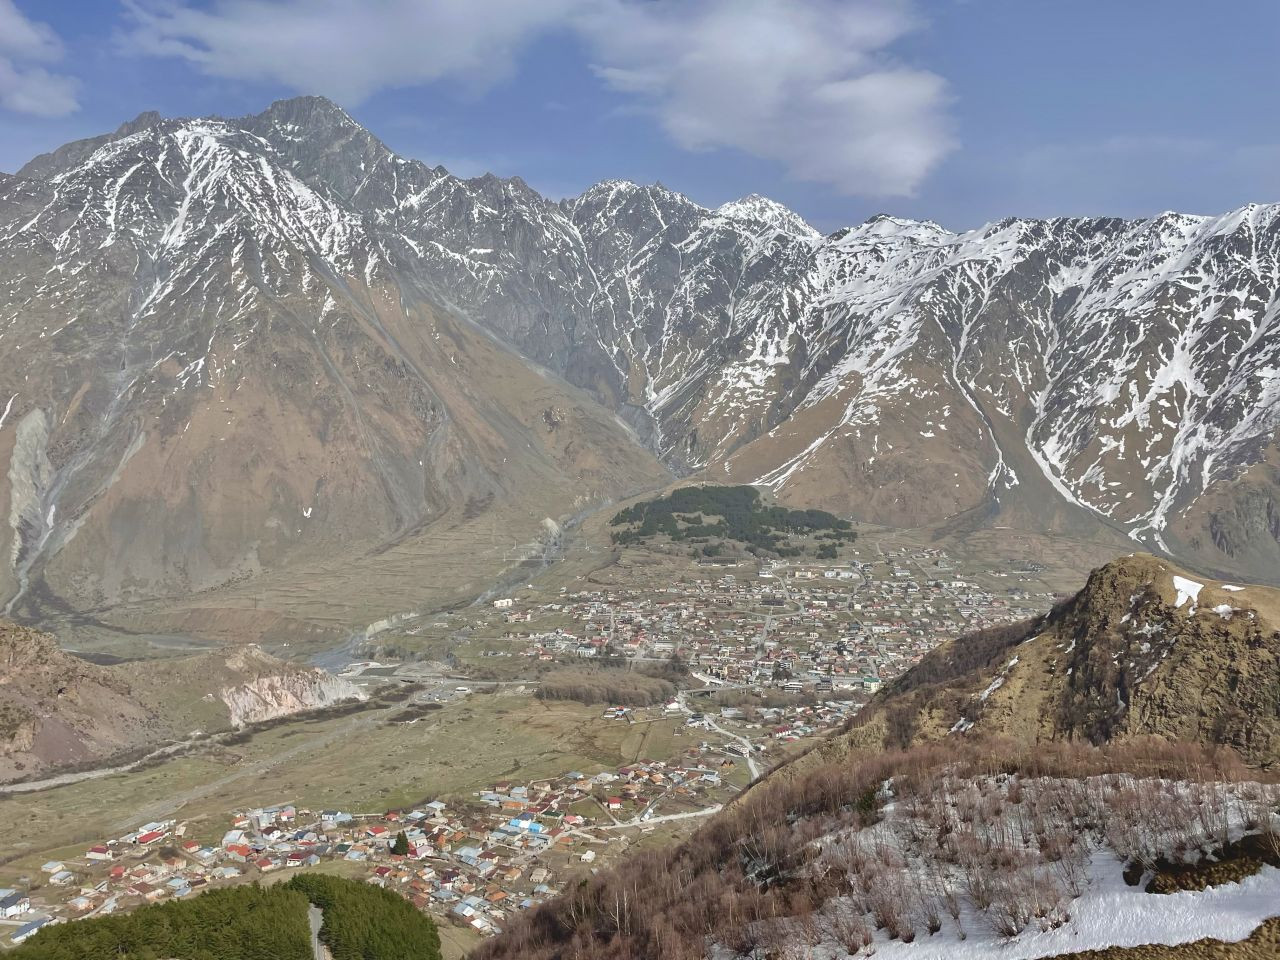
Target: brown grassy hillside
{"points": [[56, 709]]}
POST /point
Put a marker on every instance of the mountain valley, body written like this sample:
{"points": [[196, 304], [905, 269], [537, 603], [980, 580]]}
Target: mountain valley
{"points": [[278, 353], [676, 581]]}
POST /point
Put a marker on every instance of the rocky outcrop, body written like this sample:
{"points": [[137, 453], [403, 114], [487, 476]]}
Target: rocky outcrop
{"points": [[280, 689], [57, 710], [1145, 649]]}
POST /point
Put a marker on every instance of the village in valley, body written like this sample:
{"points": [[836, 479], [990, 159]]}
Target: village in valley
{"points": [[768, 655], [797, 627]]}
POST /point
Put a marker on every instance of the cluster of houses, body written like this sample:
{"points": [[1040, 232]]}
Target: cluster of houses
{"points": [[793, 722], [848, 628], [831, 633], [472, 864], [136, 868]]}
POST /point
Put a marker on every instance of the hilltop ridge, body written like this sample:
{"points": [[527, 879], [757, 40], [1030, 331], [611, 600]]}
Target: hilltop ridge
{"points": [[1145, 649]]}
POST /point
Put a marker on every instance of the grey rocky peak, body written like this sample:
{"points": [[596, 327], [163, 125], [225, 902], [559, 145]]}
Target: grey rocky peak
{"points": [[70, 155]]}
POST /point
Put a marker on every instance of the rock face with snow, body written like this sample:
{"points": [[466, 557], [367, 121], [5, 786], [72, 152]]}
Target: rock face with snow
{"points": [[1078, 373], [1145, 649], [285, 286], [214, 367]]}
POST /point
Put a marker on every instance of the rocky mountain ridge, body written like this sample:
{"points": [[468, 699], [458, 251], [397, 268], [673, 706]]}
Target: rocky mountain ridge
{"points": [[1123, 371], [261, 341], [213, 370]]}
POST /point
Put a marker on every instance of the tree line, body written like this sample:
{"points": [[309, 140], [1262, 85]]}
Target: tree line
{"points": [[236, 923], [250, 922], [364, 922]]}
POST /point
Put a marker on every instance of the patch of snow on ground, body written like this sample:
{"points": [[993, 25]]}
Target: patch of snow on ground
{"points": [[1187, 590], [7, 407], [998, 682], [1112, 914], [1021, 840], [1232, 587]]}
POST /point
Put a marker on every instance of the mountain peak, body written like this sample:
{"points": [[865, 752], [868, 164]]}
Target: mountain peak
{"points": [[1125, 657], [308, 110], [885, 227], [615, 195], [754, 208], [143, 121], [69, 155], [309, 119]]}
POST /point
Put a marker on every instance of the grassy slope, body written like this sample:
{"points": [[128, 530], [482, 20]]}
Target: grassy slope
{"points": [[355, 762]]}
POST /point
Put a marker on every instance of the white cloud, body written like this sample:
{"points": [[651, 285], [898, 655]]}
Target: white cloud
{"points": [[25, 85], [809, 84], [342, 49]]}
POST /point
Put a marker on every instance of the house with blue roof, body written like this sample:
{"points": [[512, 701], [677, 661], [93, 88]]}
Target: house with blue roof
{"points": [[28, 930]]}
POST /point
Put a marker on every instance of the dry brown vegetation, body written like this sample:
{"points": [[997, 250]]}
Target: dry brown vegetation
{"points": [[754, 879], [623, 687]]}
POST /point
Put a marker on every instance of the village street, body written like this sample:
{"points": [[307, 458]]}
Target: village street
{"points": [[754, 767]]}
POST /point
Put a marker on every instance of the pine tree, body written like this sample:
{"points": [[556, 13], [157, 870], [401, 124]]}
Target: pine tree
{"points": [[401, 845]]}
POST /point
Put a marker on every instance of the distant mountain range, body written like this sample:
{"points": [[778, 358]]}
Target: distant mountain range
{"points": [[232, 346]]}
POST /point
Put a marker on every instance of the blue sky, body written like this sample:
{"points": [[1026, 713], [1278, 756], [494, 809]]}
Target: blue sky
{"points": [[961, 111]]}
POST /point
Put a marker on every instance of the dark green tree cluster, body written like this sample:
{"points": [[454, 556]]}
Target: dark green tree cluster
{"points": [[684, 515], [400, 847], [236, 923], [363, 922]]}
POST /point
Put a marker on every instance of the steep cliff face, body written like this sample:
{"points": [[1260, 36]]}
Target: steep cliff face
{"points": [[1145, 649], [274, 688]]}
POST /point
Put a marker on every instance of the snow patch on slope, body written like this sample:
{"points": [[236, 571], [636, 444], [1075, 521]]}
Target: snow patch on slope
{"points": [[1112, 914]]}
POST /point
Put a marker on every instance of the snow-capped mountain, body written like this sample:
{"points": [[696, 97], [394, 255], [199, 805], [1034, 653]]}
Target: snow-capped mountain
{"points": [[213, 370], [1083, 374], [1100, 377]]}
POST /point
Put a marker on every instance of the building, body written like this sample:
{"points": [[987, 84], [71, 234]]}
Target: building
{"points": [[13, 904], [28, 930]]}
